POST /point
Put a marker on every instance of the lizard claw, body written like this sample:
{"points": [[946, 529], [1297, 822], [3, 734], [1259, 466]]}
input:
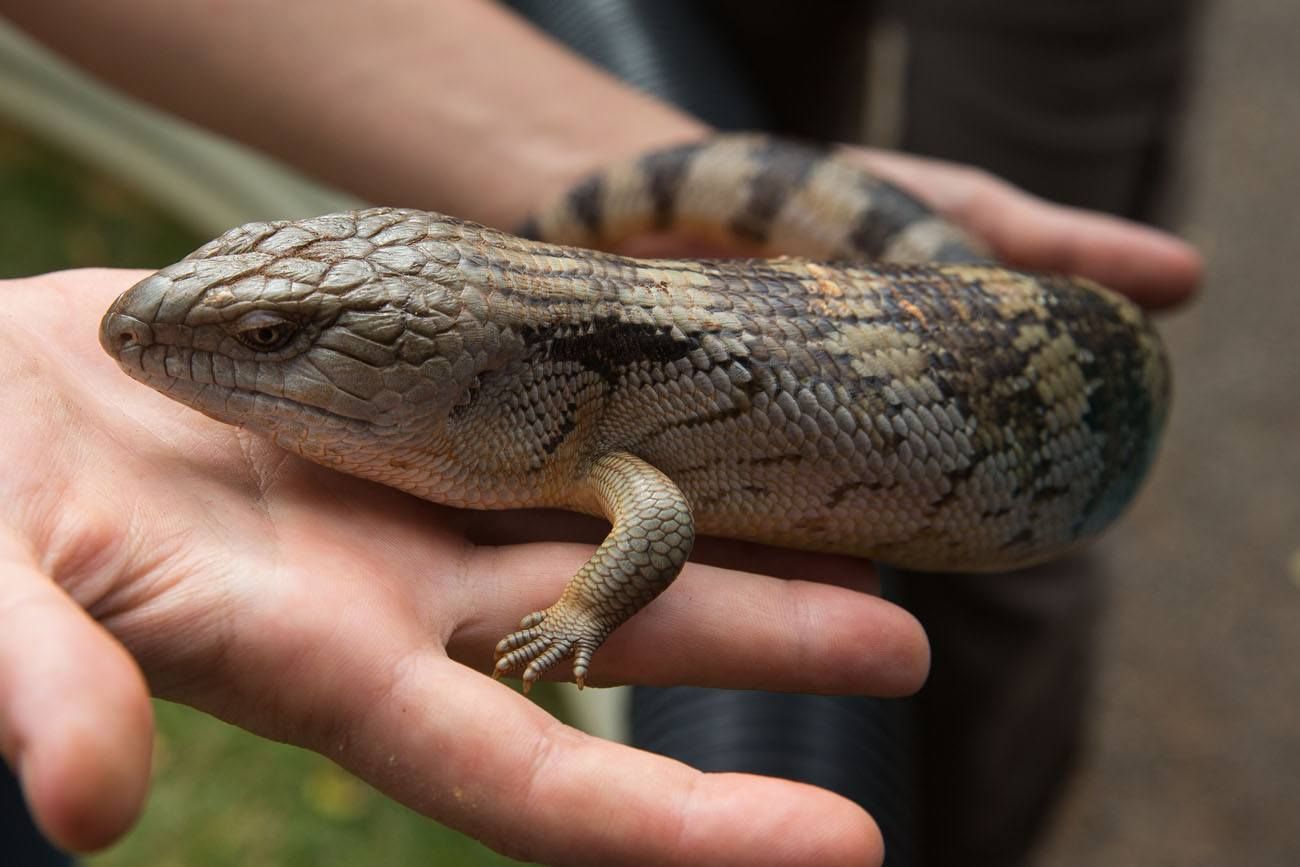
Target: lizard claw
{"points": [[542, 640]]}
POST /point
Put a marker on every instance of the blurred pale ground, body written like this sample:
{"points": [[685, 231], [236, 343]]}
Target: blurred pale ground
{"points": [[1194, 754]]}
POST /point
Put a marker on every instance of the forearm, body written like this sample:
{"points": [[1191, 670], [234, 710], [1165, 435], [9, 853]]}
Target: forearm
{"points": [[456, 105]]}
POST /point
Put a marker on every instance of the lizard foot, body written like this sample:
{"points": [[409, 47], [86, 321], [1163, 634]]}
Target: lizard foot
{"points": [[545, 638]]}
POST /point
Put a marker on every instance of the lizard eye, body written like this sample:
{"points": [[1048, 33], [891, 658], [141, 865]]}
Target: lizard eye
{"points": [[264, 331]]}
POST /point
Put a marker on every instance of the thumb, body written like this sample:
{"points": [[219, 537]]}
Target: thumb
{"points": [[75, 721]]}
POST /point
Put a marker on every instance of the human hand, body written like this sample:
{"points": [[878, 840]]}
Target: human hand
{"points": [[145, 548], [1152, 267]]}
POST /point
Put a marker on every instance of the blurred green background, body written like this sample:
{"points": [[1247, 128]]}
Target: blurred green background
{"points": [[220, 795], [58, 214]]}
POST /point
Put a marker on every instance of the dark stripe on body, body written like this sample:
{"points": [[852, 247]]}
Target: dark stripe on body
{"points": [[784, 168], [530, 229], [665, 172], [584, 203], [606, 346], [890, 212], [771, 460], [695, 421]]}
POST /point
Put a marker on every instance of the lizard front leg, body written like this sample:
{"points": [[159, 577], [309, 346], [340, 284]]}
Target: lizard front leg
{"points": [[649, 541]]}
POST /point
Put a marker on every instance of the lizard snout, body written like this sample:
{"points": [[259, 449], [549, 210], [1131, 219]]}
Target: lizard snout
{"points": [[122, 330], [120, 333]]}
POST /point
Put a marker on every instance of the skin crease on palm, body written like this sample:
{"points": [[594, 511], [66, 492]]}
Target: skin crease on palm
{"points": [[311, 607]]}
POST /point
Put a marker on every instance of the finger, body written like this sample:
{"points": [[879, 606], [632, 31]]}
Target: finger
{"points": [[712, 627], [475, 755], [1153, 267], [854, 573], [75, 720]]}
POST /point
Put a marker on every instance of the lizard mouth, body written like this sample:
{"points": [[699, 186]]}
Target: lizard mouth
{"points": [[257, 410]]}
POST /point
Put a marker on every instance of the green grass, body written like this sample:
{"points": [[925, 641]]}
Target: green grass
{"points": [[220, 795]]}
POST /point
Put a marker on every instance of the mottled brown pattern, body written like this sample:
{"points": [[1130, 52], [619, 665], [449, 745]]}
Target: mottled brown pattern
{"points": [[960, 416]]}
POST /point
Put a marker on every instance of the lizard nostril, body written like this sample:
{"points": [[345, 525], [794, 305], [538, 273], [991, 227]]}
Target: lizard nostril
{"points": [[120, 333], [124, 333]]}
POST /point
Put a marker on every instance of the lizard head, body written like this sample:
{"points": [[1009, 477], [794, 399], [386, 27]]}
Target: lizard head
{"points": [[317, 333]]}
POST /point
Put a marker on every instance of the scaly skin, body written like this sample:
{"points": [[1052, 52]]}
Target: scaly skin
{"points": [[939, 417]]}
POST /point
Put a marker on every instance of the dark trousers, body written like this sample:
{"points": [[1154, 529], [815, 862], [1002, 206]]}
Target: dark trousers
{"points": [[21, 844]]}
